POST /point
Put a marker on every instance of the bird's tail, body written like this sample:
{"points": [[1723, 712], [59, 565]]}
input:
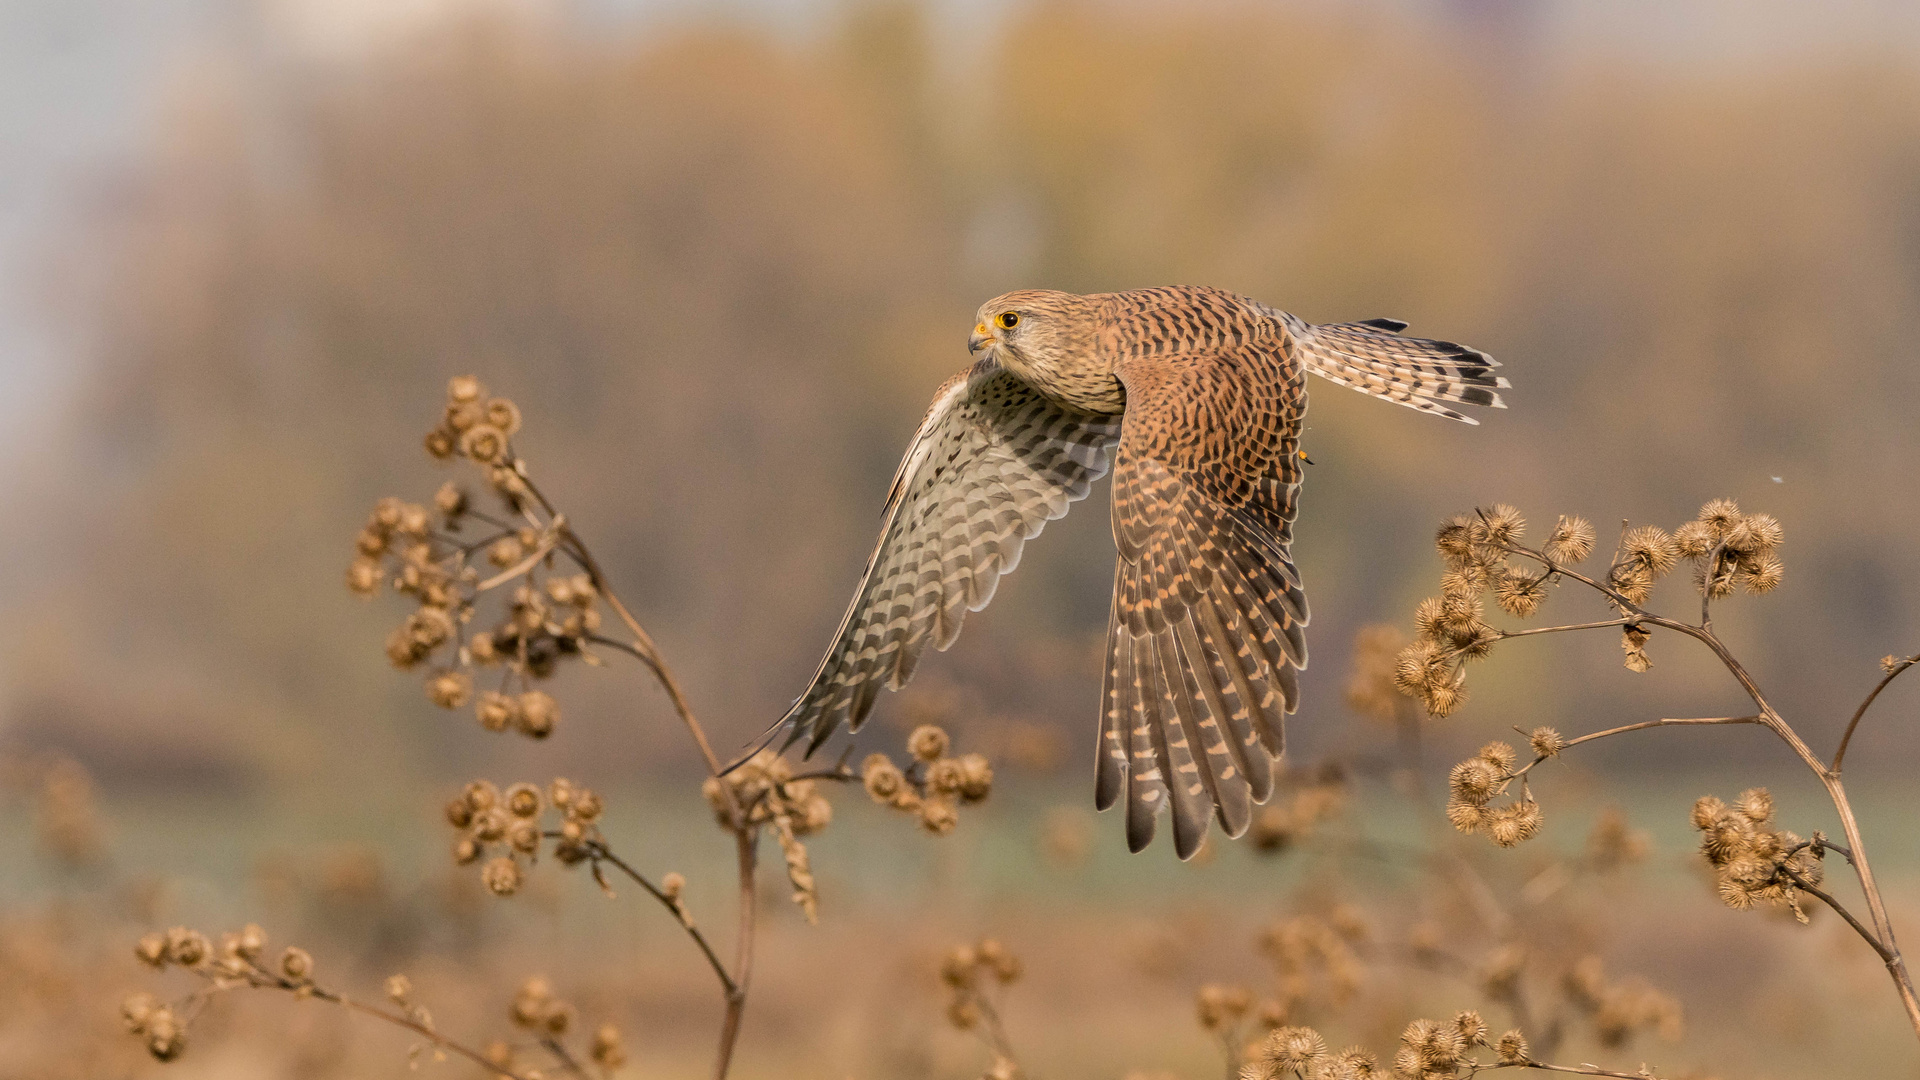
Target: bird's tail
{"points": [[1419, 373]]}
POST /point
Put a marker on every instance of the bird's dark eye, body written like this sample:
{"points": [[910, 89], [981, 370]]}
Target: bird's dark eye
{"points": [[1007, 319]]}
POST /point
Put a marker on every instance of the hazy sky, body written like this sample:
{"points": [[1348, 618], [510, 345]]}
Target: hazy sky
{"points": [[79, 82]]}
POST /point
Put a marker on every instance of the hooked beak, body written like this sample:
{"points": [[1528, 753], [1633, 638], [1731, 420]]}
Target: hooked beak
{"points": [[980, 339]]}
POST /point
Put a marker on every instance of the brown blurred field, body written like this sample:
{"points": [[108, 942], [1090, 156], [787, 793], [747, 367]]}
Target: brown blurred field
{"points": [[721, 262]]}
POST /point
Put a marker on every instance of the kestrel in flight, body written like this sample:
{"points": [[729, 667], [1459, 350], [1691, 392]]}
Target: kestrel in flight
{"points": [[1195, 396]]}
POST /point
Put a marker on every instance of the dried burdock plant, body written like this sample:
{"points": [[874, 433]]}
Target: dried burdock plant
{"points": [[504, 595], [1728, 550], [977, 977], [1429, 1050], [1341, 957], [243, 961]]}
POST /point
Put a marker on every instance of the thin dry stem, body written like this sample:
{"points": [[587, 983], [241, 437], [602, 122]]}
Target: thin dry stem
{"points": [[1840, 754]]}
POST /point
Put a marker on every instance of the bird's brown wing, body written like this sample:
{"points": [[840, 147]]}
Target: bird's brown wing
{"points": [[1208, 615], [992, 463]]}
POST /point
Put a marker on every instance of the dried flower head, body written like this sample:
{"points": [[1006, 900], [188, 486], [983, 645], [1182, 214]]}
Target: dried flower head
{"points": [[1475, 781], [928, 742], [503, 414], [484, 443], [523, 801], [1652, 548], [1512, 1048], [1296, 1048], [882, 778], [1520, 595], [1220, 1007], [1546, 742], [187, 948], [449, 689], [537, 713], [938, 816], [608, 1052], [1571, 540], [296, 964], [1499, 755], [152, 950], [501, 876], [166, 1035], [976, 778]]}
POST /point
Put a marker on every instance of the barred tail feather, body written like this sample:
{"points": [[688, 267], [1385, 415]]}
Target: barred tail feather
{"points": [[1418, 373]]}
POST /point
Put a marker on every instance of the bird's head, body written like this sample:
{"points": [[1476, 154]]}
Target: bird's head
{"points": [[1038, 334]]}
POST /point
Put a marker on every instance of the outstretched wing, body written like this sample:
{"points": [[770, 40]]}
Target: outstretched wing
{"points": [[1208, 622], [1419, 373], [993, 462]]}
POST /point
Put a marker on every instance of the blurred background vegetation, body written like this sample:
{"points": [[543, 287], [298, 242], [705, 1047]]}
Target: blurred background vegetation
{"points": [[722, 257]]}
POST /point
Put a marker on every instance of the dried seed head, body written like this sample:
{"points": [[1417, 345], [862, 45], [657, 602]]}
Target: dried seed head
{"points": [[672, 885], [466, 850], [501, 876], [938, 816], [505, 551], [531, 1002], [363, 576], [490, 824], [1420, 667], [523, 801], [481, 795], [296, 964], [1465, 816], [1503, 826], [1461, 611], [963, 1014], [1767, 533], [249, 942], [537, 714], [1765, 576], [136, 1009], [399, 989], [1571, 540], [1520, 595], [1512, 1048], [1720, 516], [1220, 1007], [882, 778], [502, 413], [976, 777], [1652, 548], [1428, 624], [1756, 805], [559, 1018], [1474, 781], [1445, 699], [560, 792], [945, 776], [1297, 1048], [484, 443], [166, 1035], [152, 949], [928, 742], [187, 948], [1633, 580], [1546, 742], [608, 1053], [586, 806], [1353, 1063], [1501, 525], [440, 443], [524, 837], [495, 710], [1471, 1027], [1454, 540], [1499, 755], [449, 689], [1694, 539], [464, 388]]}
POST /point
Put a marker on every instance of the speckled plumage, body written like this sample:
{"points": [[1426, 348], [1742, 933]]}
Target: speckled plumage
{"points": [[1195, 396]]}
